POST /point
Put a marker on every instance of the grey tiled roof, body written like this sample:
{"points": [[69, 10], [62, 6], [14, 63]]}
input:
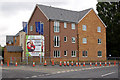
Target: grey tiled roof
{"points": [[19, 32], [14, 48], [62, 14], [9, 38]]}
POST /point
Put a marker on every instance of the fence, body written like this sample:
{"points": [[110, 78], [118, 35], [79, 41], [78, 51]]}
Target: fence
{"points": [[49, 60]]}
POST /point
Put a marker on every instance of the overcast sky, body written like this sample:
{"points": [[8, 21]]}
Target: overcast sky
{"points": [[13, 12]]}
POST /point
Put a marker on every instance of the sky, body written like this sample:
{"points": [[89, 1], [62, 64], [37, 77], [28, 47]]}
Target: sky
{"points": [[14, 12]]}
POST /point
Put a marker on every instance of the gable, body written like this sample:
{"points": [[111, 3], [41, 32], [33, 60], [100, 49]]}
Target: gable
{"points": [[94, 15]]}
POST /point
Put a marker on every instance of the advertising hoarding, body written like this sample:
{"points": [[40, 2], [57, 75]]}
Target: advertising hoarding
{"points": [[35, 45]]}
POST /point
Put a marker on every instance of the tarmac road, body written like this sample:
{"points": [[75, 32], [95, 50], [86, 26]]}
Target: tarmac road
{"points": [[60, 72]]}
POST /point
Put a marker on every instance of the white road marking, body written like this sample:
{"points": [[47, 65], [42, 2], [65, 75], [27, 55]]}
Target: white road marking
{"points": [[107, 74], [53, 73], [27, 77], [72, 70], [47, 74], [63, 71], [34, 76], [58, 72], [68, 71], [39, 75], [75, 70]]}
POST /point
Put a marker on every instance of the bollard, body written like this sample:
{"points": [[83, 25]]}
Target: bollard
{"points": [[67, 63], [8, 63], [100, 63], [33, 63], [16, 63], [95, 63], [79, 64], [1, 63], [64, 63], [53, 63], [105, 63], [84, 64], [72, 63], [76, 63], [45, 63], [90, 64], [60, 63]]}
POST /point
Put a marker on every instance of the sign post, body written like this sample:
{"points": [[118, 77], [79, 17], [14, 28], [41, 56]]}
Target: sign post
{"points": [[27, 58], [40, 58]]}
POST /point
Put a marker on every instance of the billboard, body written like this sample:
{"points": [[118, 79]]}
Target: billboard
{"points": [[35, 45]]}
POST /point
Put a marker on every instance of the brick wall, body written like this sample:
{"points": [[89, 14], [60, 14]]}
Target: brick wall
{"points": [[92, 46]]}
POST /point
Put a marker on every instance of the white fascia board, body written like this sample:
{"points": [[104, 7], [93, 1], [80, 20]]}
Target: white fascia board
{"points": [[84, 15], [42, 12]]}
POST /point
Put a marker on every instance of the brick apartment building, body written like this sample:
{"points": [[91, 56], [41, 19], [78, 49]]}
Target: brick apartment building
{"points": [[68, 35], [14, 49]]}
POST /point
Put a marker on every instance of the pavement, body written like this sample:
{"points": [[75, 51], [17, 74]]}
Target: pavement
{"points": [[28, 72]]}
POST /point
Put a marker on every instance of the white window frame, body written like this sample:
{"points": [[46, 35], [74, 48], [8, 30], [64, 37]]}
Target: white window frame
{"points": [[73, 26], [84, 41], [57, 54], [84, 27], [85, 53], [64, 39], [56, 41], [10, 42], [98, 55], [65, 25], [74, 54], [99, 41], [56, 26], [98, 29], [64, 53], [31, 28], [15, 39], [72, 39]]}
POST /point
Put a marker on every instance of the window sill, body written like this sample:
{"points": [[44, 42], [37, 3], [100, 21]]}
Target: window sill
{"points": [[99, 43], [99, 56], [73, 42], [73, 56], [56, 57], [56, 46], [84, 56]]}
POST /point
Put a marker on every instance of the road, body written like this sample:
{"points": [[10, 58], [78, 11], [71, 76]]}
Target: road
{"points": [[28, 72]]}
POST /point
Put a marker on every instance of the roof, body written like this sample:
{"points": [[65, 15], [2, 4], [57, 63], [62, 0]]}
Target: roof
{"points": [[1, 57], [62, 14], [9, 38], [19, 32], [14, 48]]}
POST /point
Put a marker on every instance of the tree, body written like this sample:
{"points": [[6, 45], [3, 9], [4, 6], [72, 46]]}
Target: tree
{"points": [[109, 12]]}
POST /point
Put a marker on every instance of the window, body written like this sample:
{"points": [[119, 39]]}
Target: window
{"points": [[73, 26], [56, 54], [65, 39], [65, 25], [73, 39], [73, 54], [98, 29], [84, 53], [56, 26], [10, 42], [84, 28], [99, 41], [84, 40], [99, 53], [56, 41], [65, 53], [31, 28], [15, 39]]}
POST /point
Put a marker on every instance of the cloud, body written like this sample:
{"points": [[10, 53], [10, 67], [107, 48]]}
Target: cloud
{"points": [[13, 12]]}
